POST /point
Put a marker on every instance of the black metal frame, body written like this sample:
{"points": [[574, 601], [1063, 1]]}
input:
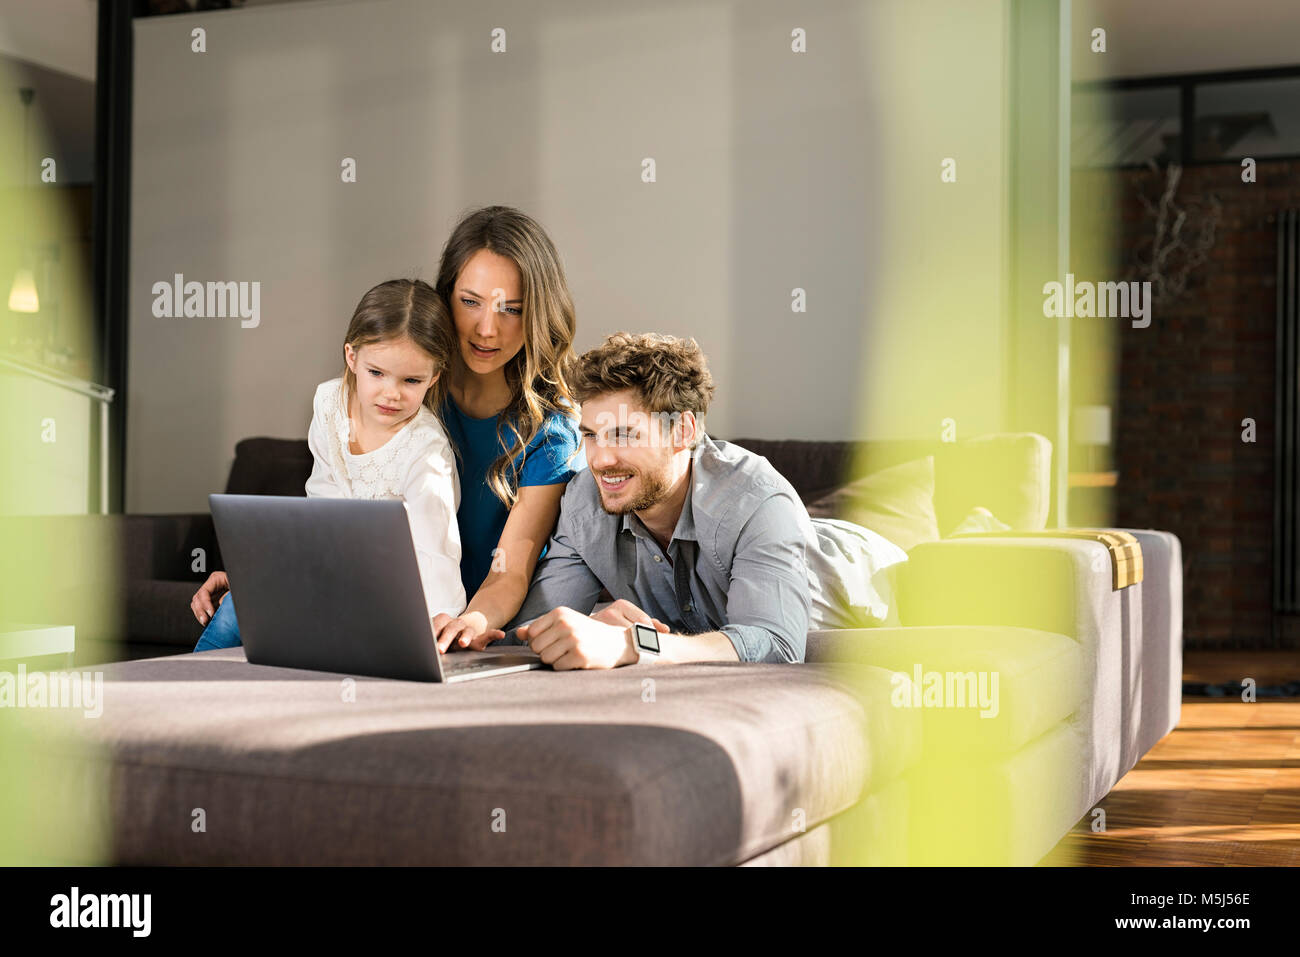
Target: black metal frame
{"points": [[1286, 599], [111, 230], [1186, 84]]}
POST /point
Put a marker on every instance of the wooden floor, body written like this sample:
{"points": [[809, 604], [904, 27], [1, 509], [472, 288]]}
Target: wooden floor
{"points": [[1221, 788]]}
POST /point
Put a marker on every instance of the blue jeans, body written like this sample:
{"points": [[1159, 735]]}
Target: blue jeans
{"points": [[222, 630]]}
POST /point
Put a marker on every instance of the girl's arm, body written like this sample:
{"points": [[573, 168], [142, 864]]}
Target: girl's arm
{"points": [[432, 494], [322, 483], [528, 527]]}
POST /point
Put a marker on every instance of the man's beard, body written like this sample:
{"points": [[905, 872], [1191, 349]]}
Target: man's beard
{"points": [[653, 491]]}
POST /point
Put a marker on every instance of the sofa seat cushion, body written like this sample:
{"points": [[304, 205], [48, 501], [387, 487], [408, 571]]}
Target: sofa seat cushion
{"points": [[1034, 679], [713, 763]]}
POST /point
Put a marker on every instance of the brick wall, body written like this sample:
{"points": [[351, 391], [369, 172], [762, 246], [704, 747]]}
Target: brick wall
{"points": [[1184, 385]]}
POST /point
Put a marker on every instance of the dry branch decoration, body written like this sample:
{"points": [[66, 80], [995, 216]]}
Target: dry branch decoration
{"points": [[1184, 235]]}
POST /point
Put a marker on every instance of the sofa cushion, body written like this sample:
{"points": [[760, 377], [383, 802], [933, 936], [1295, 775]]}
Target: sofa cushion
{"points": [[896, 503], [978, 519], [1007, 473], [573, 767], [270, 467], [1038, 678], [813, 468]]}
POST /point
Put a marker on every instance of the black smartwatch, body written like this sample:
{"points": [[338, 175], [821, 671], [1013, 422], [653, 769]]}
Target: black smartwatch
{"points": [[645, 641]]}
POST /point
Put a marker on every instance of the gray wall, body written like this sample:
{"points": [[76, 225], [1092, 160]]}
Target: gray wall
{"points": [[775, 170]]}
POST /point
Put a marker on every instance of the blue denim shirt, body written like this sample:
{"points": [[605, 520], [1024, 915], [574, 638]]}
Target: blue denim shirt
{"points": [[738, 555]]}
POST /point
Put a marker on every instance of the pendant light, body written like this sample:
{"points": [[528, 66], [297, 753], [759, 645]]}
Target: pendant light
{"points": [[22, 295]]}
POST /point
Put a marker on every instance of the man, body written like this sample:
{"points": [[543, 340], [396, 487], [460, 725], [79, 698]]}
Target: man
{"points": [[701, 543]]}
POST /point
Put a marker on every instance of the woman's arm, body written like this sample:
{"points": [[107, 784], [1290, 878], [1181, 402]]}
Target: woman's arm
{"points": [[528, 527]]}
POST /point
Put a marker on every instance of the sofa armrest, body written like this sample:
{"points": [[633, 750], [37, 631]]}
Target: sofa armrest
{"points": [[162, 547], [163, 570], [1153, 668]]}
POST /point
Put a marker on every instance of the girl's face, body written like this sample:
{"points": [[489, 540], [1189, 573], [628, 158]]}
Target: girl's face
{"points": [[487, 306], [392, 380]]}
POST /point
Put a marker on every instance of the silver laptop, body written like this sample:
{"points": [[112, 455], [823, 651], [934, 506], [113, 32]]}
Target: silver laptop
{"points": [[332, 584]]}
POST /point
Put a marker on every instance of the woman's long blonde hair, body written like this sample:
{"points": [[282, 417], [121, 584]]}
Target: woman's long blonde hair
{"points": [[538, 375]]}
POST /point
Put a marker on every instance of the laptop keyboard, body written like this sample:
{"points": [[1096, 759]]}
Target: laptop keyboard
{"points": [[484, 664], [466, 666]]}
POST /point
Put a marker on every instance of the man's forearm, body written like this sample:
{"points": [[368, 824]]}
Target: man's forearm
{"points": [[710, 646]]}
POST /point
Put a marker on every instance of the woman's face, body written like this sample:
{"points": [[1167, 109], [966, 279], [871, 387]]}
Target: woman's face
{"points": [[487, 306]]}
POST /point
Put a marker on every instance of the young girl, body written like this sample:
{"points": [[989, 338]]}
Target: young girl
{"points": [[375, 434]]}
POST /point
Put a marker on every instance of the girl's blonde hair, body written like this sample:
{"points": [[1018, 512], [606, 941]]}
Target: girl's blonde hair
{"points": [[407, 308], [538, 375]]}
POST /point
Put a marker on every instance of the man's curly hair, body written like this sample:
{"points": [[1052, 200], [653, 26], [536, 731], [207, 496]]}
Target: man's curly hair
{"points": [[669, 374]]}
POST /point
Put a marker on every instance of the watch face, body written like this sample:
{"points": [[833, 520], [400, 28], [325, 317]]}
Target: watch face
{"points": [[647, 639]]}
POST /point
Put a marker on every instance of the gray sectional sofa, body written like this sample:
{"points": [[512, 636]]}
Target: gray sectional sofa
{"points": [[714, 763]]}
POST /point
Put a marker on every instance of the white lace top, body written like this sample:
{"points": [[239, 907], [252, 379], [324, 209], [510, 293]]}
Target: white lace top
{"points": [[416, 465]]}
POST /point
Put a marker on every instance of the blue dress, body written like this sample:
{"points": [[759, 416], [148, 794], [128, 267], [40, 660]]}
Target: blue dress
{"points": [[551, 458]]}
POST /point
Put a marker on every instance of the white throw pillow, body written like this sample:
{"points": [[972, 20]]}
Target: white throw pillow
{"points": [[851, 576]]}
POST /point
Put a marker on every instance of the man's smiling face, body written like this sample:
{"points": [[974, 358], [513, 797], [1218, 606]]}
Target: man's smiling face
{"points": [[629, 451]]}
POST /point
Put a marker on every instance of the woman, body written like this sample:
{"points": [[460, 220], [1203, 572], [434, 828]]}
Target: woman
{"points": [[508, 411]]}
